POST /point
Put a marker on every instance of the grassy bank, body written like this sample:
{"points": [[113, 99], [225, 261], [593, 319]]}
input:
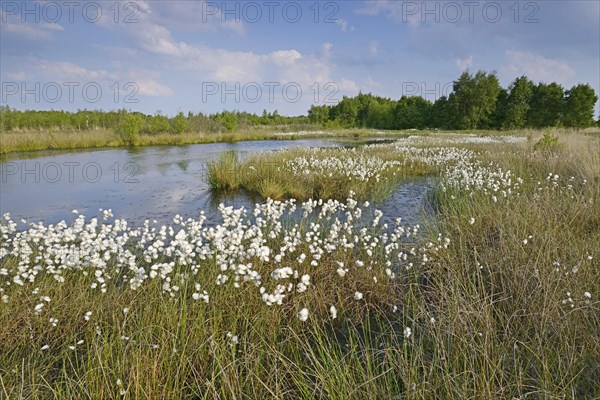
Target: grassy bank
{"points": [[12, 142], [370, 172], [497, 297], [55, 139]]}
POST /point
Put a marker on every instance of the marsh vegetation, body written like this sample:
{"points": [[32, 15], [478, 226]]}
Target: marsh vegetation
{"points": [[496, 296]]}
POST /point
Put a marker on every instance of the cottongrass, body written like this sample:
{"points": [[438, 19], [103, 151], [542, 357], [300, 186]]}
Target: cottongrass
{"points": [[491, 299], [370, 172]]}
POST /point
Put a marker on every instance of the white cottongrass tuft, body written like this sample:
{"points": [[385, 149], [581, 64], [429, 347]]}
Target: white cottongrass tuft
{"points": [[303, 314], [333, 312]]}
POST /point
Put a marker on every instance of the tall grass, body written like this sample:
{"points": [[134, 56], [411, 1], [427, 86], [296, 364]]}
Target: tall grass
{"points": [[11, 142], [54, 139], [512, 288], [51, 139], [501, 312], [303, 174]]}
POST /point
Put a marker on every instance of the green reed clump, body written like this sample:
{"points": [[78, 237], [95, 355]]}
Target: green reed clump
{"points": [[370, 172]]}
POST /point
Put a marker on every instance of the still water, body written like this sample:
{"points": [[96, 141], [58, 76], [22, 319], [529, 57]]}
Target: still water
{"points": [[154, 183]]}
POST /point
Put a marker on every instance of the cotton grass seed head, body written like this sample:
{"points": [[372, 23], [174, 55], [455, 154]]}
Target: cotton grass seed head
{"points": [[303, 315]]}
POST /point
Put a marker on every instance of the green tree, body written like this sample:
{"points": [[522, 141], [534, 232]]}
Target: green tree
{"points": [[159, 123], [579, 106], [473, 100], [319, 114], [228, 120], [495, 120], [438, 117], [411, 112], [180, 123], [518, 103], [7, 121], [130, 130], [346, 112], [546, 105]]}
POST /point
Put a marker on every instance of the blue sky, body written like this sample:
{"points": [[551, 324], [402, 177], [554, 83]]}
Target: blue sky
{"points": [[208, 56]]}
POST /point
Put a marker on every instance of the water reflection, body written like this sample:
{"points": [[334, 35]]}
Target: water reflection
{"points": [[152, 183]]}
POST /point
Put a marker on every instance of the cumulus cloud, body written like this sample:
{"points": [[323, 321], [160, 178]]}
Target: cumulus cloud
{"points": [[371, 84], [344, 25], [348, 86], [152, 88], [464, 63], [68, 71], [184, 15], [11, 24], [537, 67], [222, 65], [147, 82]]}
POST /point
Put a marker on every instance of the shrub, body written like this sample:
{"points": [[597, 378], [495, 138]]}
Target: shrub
{"points": [[180, 123], [548, 143], [130, 130]]}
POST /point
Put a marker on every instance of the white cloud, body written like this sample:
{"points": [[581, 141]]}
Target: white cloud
{"points": [[149, 87], [371, 84], [375, 7], [537, 67], [221, 65], [67, 71], [464, 63], [326, 51], [119, 51], [147, 82], [406, 12], [184, 15], [51, 26], [17, 76], [347, 85], [285, 57], [40, 31], [344, 25]]}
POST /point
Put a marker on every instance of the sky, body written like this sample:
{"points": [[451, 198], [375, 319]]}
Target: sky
{"points": [[205, 56]]}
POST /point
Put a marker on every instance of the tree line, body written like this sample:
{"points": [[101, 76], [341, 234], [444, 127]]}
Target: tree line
{"points": [[158, 123], [477, 101]]}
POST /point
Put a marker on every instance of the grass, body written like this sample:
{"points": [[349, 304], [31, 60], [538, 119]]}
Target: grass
{"points": [[504, 287], [55, 139], [304, 174], [12, 142], [511, 318]]}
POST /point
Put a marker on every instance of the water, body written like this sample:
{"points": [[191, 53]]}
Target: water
{"points": [[152, 183]]}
